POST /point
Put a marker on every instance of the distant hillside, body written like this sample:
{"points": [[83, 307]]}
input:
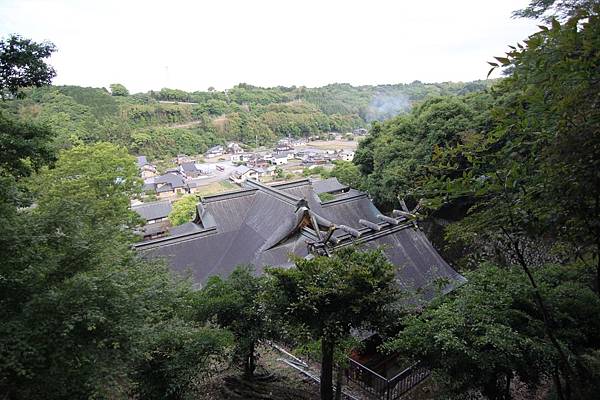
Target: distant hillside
{"points": [[368, 102], [159, 125]]}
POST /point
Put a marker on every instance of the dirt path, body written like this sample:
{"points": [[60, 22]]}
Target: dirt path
{"points": [[266, 388]]}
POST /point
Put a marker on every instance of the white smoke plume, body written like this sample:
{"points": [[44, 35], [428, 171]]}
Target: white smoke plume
{"points": [[384, 106]]}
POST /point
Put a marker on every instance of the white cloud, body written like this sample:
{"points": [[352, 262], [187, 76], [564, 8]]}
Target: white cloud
{"points": [[196, 44]]}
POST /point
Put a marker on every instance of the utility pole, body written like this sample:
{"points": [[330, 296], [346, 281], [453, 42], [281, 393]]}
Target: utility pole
{"points": [[255, 149]]}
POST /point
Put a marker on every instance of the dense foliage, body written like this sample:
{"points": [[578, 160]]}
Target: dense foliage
{"points": [[184, 210], [235, 303], [170, 122], [80, 311], [513, 169], [516, 170], [325, 298], [490, 333], [82, 315], [395, 158], [22, 64]]}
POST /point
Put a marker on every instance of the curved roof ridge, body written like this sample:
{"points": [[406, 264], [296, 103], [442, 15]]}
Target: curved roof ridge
{"points": [[273, 191]]}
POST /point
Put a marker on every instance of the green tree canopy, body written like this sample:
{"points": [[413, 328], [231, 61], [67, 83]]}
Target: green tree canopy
{"points": [[531, 179], [22, 64], [347, 173], [490, 333], [396, 156], [81, 312], [327, 297], [235, 304], [117, 89], [183, 210]]}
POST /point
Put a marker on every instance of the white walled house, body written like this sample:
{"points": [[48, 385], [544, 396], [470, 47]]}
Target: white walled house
{"points": [[279, 159], [346, 155], [215, 151], [234, 148], [242, 173]]}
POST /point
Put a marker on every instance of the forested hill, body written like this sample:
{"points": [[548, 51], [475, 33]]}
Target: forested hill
{"points": [[163, 123]]}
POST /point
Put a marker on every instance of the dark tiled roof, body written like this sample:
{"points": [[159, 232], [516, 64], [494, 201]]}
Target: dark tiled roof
{"points": [[263, 225], [329, 185], [169, 182], [154, 210], [184, 229]]}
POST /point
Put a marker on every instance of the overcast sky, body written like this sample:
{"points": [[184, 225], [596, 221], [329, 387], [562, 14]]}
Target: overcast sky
{"points": [[195, 44]]}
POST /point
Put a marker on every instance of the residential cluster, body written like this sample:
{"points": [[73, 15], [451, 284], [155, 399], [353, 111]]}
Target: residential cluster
{"points": [[219, 164], [234, 163]]}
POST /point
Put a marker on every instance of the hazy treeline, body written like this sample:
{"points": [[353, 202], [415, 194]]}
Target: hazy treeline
{"points": [[151, 124]]}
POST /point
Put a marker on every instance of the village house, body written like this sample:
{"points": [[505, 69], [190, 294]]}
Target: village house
{"points": [[215, 151], [314, 159], [155, 216], [147, 170], [331, 186], [290, 155], [346, 155], [280, 159], [259, 163], [195, 185], [167, 185], [241, 157], [234, 148], [189, 170], [194, 170], [281, 148], [266, 172], [207, 169], [265, 226], [242, 173]]}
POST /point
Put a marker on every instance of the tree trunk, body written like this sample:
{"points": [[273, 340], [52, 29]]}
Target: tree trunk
{"points": [[547, 320], [597, 234], [558, 385], [338, 383], [327, 349], [250, 363], [507, 394]]}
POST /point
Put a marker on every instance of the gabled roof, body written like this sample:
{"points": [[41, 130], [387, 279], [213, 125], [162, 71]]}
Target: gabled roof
{"points": [[154, 210], [188, 167], [242, 169], [172, 179], [265, 225]]}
